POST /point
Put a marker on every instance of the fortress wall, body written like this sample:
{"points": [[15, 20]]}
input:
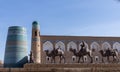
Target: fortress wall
{"points": [[32, 65], [65, 68], [100, 42]]}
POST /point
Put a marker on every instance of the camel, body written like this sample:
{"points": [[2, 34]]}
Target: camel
{"points": [[74, 51], [82, 52], [108, 53], [54, 53]]}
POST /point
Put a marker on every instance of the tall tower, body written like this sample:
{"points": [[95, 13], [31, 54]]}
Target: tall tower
{"points": [[36, 45], [16, 47]]}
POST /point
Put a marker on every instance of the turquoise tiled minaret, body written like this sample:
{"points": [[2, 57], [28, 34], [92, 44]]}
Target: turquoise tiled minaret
{"points": [[16, 47]]}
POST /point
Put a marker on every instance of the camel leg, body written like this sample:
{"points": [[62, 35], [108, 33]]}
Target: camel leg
{"points": [[60, 59], [54, 60], [51, 60], [102, 60], [113, 58], [108, 59], [83, 59], [63, 58], [90, 58], [117, 59], [79, 59]]}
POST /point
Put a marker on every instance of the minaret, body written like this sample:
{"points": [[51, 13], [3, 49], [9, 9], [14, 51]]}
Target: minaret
{"points": [[16, 47], [36, 47]]}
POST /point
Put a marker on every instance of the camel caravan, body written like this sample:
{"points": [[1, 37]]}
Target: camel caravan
{"points": [[79, 54], [104, 53]]}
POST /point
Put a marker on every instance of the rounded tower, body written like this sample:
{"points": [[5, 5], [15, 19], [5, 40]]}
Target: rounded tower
{"points": [[36, 45], [16, 47]]}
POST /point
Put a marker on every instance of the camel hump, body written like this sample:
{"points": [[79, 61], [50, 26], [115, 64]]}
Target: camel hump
{"points": [[116, 52], [60, 51]]}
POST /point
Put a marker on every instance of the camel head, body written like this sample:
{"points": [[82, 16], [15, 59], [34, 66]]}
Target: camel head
{"points": [[115, 50], [83, 44], [101, 52], [71, 49], [93, 49], [47, 51]]}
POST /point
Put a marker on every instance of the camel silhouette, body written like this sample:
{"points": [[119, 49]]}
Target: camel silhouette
{"points": [[82, 52], [54, 53], [107, 53]]}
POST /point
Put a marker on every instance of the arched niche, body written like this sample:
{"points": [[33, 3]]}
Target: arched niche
{"points": [[86, 45], [106, 45], [61, 45], [47, 46], [72, 45], [95, 45], [116, 45]]}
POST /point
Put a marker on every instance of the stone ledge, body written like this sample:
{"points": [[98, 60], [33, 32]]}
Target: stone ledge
{"points": [[65, 68], [31, 65]]}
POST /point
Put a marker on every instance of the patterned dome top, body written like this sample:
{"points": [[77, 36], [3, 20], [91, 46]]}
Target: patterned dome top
{"points": [[35, 24], [16, 28]]}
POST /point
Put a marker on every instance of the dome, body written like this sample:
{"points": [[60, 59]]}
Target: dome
{"points": [[35, 24]]}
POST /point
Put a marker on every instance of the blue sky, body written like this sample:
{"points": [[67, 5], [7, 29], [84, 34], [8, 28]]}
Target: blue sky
{"points": [[60, 17]]}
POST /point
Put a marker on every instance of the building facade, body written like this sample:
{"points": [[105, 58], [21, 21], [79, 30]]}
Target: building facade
{"points": [[66, 42]]}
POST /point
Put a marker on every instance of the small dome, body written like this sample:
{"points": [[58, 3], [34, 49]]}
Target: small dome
{"points": [[35, 22]]}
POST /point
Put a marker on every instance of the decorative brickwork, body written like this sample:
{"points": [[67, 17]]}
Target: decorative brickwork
{"points": [[66, 42]]}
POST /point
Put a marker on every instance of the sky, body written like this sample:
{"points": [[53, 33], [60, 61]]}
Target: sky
{"points": [[60, 17]]}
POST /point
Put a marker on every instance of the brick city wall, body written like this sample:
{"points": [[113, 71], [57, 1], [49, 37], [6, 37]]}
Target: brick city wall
{"points": [[65, 68], [97, 43]]}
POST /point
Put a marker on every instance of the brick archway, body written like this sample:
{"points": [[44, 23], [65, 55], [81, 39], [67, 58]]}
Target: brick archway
{"points": [[47, 46]]}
